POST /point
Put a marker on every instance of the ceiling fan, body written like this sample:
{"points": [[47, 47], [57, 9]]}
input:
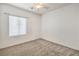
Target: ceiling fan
{"points": [[38, 6]]}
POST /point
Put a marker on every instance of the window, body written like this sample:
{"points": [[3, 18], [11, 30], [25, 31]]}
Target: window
{"points": [[17, 26]]}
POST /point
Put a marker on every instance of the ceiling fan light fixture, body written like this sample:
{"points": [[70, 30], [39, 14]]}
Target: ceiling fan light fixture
{"points": [[39, 6]]}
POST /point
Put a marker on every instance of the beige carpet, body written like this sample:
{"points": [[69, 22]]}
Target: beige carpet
{"points": [[39, 47]]}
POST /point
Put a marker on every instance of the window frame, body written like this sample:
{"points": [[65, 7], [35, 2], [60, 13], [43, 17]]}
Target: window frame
{"points": [[26, 26]]}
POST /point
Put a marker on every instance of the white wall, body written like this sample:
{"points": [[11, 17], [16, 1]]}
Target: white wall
{"points": [[33, 26], [62, 26], [0, 17]]}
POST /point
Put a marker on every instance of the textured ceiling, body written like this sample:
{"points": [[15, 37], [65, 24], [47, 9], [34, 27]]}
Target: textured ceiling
{"points": [[50, 7]]}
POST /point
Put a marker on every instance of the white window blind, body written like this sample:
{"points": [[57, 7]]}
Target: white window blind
{"points": [[17, 26]]}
